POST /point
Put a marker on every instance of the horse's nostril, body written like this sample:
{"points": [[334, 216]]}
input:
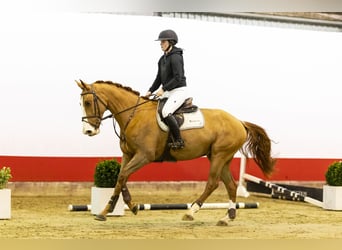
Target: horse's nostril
{"points": [[88, 132]]}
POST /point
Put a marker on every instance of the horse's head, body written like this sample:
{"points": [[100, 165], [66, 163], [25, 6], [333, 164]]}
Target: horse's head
{"points": [[92, 107]]}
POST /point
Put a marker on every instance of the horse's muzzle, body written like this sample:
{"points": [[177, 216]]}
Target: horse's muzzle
{"points": [[90, 130]]}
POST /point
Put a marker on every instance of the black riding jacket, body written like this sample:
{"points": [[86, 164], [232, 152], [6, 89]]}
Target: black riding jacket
{"points": [[170, 71]]}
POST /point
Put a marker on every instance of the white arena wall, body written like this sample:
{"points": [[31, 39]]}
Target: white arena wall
{"points": [[285, 80]]}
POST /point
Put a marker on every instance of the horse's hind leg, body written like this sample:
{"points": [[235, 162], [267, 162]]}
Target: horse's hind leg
{"points": [[216, 165], [231, 188], [211, 185]]}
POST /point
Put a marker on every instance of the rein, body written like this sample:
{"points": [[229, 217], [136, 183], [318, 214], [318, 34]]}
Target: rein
{"points": [[99, 118]]}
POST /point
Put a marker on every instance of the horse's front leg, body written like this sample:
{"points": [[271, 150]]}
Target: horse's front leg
{"points": [[133, 165], [114, 198], [128, 200], [110, 205]]}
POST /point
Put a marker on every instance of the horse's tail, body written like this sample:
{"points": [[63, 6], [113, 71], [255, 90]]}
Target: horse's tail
{"points": [[258, 145]]}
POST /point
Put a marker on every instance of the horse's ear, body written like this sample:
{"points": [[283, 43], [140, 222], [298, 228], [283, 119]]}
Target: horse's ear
{"points": [[82, 85]]}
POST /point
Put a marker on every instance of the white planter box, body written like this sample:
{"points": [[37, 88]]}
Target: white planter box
{"points": [[332, 197], [100, 198], [5, 203]]}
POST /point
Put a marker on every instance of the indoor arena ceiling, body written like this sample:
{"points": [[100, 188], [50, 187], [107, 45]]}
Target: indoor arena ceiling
{"points": [[328, 20], [303, 16], [318, 16]]}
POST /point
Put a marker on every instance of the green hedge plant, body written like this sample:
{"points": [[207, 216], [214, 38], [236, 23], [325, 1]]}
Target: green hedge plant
{"points": [[106, 173], [5, 175], [333, 175]]}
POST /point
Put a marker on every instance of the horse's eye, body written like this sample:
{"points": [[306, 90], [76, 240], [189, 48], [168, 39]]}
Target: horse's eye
{"points": [[87, 103]]}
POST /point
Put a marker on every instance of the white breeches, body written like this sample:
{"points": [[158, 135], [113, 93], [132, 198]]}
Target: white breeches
{"points": [[176, 99]]}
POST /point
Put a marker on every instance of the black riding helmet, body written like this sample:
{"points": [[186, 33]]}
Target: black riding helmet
{"points": [[168, 35]]}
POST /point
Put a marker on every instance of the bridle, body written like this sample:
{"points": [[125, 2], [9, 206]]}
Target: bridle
{"points": [[96, 100], [96, 115]]}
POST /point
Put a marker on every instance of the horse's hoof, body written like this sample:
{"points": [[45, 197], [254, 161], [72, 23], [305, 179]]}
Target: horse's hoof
{"points": [[222, 222], [188, 217], [135, 209], [100, 217], [232, 213]]}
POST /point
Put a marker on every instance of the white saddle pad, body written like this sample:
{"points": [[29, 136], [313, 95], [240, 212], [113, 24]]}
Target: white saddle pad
{"points": [[191, 120]]}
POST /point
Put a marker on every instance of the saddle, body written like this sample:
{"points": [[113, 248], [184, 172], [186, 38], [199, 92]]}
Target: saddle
{"points": [[188, 116], [186, 108]]}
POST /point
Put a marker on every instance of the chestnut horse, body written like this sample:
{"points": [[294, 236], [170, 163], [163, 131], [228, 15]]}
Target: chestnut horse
{"points": [[142, 141]]}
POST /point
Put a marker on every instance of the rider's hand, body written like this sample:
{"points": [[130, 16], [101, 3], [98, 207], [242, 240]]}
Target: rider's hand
{"points": [[148, 94], [160, 92]]}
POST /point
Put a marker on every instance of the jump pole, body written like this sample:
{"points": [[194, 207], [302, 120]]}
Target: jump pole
{"points": [[77, 208], [283, 190], [188, 205], [173, 206]]}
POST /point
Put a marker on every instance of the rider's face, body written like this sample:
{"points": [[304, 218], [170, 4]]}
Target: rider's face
{"points": [[164, 45]]}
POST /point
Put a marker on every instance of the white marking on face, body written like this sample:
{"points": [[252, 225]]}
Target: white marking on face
{"points": [[88, 129]]}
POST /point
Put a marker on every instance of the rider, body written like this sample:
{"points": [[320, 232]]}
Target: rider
{"points": [[171, 76]]}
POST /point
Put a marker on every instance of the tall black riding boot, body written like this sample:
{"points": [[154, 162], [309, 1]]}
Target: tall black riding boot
{"points": [[178, 142]]}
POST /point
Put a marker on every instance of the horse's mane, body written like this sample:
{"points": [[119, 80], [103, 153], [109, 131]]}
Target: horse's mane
{"points": [[119, 86]]}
